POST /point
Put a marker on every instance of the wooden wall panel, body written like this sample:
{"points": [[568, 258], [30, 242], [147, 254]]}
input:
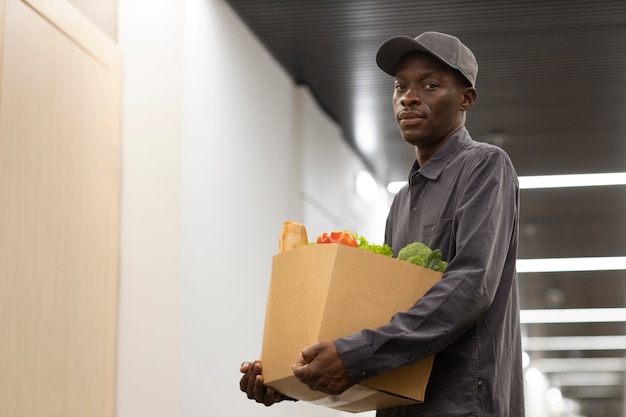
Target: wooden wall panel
{"points": [[59, 207]]}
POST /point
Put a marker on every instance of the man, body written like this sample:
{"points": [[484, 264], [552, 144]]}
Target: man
{"points": [[463, 198]]}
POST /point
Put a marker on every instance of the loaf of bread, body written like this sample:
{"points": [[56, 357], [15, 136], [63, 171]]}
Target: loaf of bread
{"points": [[292, 235]]}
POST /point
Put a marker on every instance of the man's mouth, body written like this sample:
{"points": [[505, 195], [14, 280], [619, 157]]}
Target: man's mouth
{"points": [[406, 118]]}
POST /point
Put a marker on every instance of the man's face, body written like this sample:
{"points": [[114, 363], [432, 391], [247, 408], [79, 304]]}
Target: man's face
{"points": [[429, 100]]}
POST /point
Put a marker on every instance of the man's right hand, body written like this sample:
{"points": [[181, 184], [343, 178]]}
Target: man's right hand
{"points": [[252, 384]]}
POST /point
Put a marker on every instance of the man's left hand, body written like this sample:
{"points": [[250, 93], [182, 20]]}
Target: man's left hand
{"points": [[321, 369]]}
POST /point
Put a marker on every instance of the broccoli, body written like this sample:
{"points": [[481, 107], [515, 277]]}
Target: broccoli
{"points": [[433, 259], [416, 253], [419, 254]]}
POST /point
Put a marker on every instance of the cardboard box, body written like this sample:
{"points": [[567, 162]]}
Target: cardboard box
{"points": [[320, 292]]}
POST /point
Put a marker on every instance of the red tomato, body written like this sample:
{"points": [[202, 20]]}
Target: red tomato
{"points": [[343, 238]]}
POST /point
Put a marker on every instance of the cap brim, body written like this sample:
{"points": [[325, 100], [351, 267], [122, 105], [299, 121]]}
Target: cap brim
{"points": [[392, 50]]}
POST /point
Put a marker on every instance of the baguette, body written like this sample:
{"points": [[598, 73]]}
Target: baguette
{"points": [[292, 235]]}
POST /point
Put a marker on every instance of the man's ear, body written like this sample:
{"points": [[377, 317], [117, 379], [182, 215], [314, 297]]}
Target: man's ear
{"points": [[469, 98]]}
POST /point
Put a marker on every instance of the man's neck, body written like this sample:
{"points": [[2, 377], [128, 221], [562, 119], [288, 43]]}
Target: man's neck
{"points": [[425, 153]]}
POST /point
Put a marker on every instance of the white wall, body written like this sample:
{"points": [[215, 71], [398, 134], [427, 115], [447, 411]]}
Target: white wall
{"points": [[329, 169], [219, 149], [148, 375]]}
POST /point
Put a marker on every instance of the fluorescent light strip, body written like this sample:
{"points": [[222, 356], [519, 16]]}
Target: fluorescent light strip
{"points": [[572, 180], [562, 365], [586, 379], [597, 263], [553, 181], [573, 315], [593, 392], [574, 343]]}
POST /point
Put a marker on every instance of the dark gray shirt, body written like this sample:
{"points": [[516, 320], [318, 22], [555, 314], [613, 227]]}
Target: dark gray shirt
{"points": [[464, 201]]}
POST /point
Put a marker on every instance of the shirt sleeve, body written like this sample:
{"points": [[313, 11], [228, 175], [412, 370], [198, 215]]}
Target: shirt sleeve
{"points": [[484, 225]]}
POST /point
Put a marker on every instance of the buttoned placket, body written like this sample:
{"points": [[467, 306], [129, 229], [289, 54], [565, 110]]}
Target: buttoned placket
{"points": [[416, 190]]}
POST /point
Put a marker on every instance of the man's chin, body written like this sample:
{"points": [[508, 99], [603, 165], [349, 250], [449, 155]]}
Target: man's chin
{"points": [[413, 140]]}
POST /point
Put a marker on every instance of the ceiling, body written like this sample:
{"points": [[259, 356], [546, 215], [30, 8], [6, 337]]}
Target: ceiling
{"points": [[551, 92]]}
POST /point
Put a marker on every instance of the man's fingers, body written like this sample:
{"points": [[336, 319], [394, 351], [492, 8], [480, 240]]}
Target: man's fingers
{"points": [[243, 382], [259, 390], [309, 353], [271, 397], [303, 373], [249, 388], [320, 368], [247, 383], [252, 384]]}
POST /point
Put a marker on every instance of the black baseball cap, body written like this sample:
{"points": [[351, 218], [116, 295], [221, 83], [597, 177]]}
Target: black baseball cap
{"points": [[446, 48]]}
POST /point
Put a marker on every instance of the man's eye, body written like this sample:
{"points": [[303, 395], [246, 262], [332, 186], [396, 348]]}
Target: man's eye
{"points": [[400, 87], [430, 86]]}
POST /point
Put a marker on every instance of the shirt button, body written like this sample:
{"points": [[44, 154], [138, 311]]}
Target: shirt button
{"points": [[414, 210], [364, 374]]}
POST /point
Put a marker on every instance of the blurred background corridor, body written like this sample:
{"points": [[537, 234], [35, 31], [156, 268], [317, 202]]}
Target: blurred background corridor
{"points": [[151, 150]]}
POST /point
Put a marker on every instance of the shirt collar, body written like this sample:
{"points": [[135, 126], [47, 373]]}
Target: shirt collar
{"points": [[435, 165]]}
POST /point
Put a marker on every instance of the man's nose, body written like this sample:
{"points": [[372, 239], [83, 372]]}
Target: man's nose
{"points": [[410, 98]]}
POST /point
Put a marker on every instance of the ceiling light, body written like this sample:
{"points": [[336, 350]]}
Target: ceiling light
{"points": [[554, 395], [558, 365], [585, 379], [364, 125], [395, 186], [366, 186], [597, 263], [573, 315], [572, 180], [574, 343], [555, 181], [535, 376]]}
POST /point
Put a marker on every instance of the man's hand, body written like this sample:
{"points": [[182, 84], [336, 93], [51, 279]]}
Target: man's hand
{"points": [[252, 384], [321, 369]]}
